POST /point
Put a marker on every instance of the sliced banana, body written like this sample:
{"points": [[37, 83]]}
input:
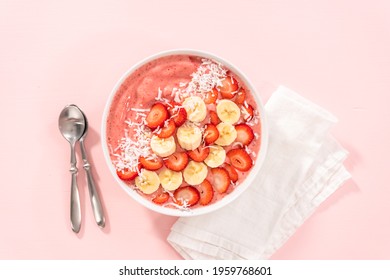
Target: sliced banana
{"points": [[227, 134], [163, 147], [189, 137], [195, 173], [147, 181], [170, 180], [195, 108], [228, 111], [216, 156]]}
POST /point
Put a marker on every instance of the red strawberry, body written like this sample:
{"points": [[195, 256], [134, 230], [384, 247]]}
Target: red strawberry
{"points": [[161, 198], [240, 159], [232, 172], [240, 97], [127, 174], [177, 113], [206, 192], [244, 134], [221, 179], [167, 130], [229, 87], [199, 154], [186, 196], [247, 112], [177, 161], [157, 116], [214, 118], [151, 164], [211, 96], [211, 134]]}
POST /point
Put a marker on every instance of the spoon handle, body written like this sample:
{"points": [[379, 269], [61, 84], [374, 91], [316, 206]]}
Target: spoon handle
{"points": [[75, 211], [93, 194]]}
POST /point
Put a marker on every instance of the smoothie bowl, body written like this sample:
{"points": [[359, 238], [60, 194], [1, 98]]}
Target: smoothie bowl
{"points": [[184, 133]]}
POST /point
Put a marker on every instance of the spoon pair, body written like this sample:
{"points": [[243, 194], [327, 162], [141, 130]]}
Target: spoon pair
{"points": [[73, 126]]}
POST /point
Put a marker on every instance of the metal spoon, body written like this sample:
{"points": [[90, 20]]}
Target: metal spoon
{"points": [[93, 194], [72, 125]]}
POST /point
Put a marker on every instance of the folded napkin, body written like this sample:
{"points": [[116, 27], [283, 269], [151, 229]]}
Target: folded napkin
{"points": [[303, 166]]}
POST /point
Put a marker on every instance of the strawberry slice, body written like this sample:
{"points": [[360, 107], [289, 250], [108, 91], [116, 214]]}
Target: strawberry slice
{"points": [[187, 195], [157, 116], [221, 179], [151, 164], [127, 174], [177, 113], [167, 130], [211, 96], [206, 192], [199, 154], [177, 161], [229, 87], [240, 97], [245, 134], [240, 159], [161, 198], [247, 112], [214, 118], [232, 172], [211, 133]]}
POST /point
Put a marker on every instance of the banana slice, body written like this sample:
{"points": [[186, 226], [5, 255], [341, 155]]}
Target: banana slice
{"points": [[228, 111], [163, 147], [227, 134], [195, 108], [216, 156], [189, 137], [170, 180], [147, 181], [195, 173]]}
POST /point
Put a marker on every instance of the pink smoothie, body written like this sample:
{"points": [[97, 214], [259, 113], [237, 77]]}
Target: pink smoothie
{"points": [[161, 80]]}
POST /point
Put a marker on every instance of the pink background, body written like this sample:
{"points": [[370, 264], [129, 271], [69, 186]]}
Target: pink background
{"points": [[334, 52]]}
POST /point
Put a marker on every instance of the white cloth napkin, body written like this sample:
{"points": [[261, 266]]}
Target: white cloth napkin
{"points": [[303, 166]]}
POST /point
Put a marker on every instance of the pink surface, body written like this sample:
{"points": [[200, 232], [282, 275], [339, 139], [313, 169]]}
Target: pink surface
{"points": [[336, 53]]}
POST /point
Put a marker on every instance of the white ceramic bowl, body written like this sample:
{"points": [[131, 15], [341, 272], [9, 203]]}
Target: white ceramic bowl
{"points": [[228, 198]]}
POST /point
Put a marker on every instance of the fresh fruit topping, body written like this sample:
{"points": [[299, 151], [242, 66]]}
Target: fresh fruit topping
{"points": [[232, 172], [167, 130], [228, 111], [189, 137], [229, 87], [240, 159], [227, 134], [161, 198], [151, 163], [199, 154], [163, 147], [170, 180], [177, 113], [195, 173], [157, 115], [211, 133], [195, 108], [211, 96], [214, 118], [240, 97], [127, 174], [247, 112], [221, 179], [177, 161], [147, 181], [216, 156], [206, 192], [186, 196], [245, 134]]}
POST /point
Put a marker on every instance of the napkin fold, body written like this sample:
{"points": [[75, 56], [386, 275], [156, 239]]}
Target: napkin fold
{"points": [[303, 166]]}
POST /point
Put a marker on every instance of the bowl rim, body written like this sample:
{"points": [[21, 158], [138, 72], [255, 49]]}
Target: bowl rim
{"points": [[227, 199]]}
